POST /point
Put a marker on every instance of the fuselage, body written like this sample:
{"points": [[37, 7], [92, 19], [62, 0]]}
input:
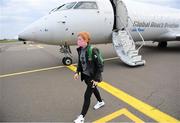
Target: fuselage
{"points": [[154, 22], [157, 23]]}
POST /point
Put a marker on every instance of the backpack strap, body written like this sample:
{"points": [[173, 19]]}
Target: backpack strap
{"points": [[90, 54], [100, 57], [90, 48]]}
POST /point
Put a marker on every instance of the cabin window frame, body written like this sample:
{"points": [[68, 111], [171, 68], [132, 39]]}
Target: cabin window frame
{"points": [[60, 8], [97, 7]]}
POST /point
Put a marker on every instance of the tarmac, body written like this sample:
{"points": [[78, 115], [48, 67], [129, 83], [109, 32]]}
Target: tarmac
{"points": [[36, 87]]}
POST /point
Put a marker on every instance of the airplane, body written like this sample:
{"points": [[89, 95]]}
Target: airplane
{"points": [[121, 22]]}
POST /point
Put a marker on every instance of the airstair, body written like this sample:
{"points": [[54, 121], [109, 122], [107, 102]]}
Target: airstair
{"points": [[126, 49], [123, 42]]}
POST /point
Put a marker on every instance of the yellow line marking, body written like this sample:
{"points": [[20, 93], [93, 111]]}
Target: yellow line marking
{"points": [[72, 68], [118, 113], [146, 109], [111, 59], [31, 71], [39, 70]]}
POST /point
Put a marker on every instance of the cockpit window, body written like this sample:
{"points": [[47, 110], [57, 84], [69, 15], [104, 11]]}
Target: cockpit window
{"points": [[63, 7], [86, 5], [67, 6], [60, 7], [55, 9]]}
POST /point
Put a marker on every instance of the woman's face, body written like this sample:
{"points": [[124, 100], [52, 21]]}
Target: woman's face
{"points": [[81, 42]]}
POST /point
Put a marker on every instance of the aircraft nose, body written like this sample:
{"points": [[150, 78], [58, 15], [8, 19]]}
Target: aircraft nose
{"points": [[27, 35], [22, 36], [34, 31], [21, 39], [44, 30]]}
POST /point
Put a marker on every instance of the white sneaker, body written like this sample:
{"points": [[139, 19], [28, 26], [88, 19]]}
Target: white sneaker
{"points": [[80, 119], [99, 105]]}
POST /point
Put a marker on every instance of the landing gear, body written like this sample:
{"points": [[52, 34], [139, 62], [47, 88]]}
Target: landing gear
{"points": [[162, 44], [67, 60]]}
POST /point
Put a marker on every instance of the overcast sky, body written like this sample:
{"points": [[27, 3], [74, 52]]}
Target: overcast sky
{"points": [[15, 15]]}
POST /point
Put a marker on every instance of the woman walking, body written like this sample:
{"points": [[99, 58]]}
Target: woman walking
{"points": [[90, 66]]}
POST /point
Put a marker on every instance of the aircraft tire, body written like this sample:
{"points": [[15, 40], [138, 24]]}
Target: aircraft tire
{"points": [[67, 61], [162, 44]]}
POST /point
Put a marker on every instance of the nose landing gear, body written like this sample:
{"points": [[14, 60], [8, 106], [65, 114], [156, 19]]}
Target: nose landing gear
{"points": [[67, 60]]}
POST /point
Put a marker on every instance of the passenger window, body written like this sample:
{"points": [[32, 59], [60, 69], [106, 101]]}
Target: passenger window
{"points": [[86, 5]]}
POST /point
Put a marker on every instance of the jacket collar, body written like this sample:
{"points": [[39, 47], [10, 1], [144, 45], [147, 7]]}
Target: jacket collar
{"points": [[79, 48]]}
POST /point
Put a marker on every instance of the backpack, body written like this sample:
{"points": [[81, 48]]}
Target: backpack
{"points": [[99, 55]]}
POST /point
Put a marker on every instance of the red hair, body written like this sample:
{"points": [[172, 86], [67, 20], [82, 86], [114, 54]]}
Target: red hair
{"points": [[85, 36]]}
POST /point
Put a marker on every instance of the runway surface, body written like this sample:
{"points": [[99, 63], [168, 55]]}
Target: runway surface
{"points": [[35, 86]]}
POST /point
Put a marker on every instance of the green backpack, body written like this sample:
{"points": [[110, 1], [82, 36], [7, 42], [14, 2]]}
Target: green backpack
{"points": [[99, 55]]}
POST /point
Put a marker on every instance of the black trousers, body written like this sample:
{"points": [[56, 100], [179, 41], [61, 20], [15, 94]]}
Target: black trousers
{"points": [[88, 93]]}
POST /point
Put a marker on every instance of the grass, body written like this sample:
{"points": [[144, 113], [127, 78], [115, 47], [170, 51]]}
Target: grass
{"points": [[8, 41]]}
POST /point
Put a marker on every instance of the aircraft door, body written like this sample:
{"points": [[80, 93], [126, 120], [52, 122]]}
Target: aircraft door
{"points": [[121, 15]]}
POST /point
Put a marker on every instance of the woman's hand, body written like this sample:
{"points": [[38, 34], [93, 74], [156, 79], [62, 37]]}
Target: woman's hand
{"points": [[76, 76], [94, 83]]}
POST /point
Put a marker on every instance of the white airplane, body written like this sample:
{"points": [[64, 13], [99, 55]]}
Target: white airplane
{"points": [[121, 22]]}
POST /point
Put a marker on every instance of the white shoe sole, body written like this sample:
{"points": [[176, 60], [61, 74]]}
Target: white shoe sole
{"points": [[99, 107]]}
